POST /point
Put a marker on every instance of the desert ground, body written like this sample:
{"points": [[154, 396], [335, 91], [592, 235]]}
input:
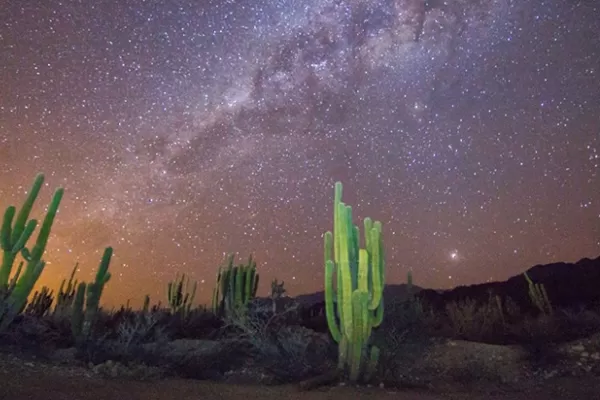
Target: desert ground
{"points": [[27, 379]]}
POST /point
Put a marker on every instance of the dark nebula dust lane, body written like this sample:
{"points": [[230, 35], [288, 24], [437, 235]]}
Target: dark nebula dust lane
{"points": [[183, 131]]}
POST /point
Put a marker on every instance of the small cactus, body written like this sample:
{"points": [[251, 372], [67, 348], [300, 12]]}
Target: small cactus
{"points": [[539, 296], [178, 295]]}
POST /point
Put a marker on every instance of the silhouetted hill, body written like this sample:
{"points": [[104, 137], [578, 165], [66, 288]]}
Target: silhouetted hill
{"points": [[390, 292], [569, 285]]}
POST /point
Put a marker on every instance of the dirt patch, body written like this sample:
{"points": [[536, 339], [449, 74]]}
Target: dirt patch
{"points": [[32, 380]]}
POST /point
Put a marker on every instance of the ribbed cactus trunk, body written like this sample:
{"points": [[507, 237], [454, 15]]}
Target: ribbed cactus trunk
{"points": [[355, 305], [235, 287]]}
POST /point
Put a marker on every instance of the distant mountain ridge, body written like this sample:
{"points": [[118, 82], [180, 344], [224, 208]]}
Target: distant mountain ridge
{"points": [[392, 291], [568, 285]]}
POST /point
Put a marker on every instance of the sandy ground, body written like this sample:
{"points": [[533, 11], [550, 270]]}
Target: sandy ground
{"points": [[52, 384]]}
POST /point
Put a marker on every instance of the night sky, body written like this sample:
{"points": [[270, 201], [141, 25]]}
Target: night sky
{"points": [[183, 130]]}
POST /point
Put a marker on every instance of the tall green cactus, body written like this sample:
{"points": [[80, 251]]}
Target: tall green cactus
{"points": [[357, 305], [82, 320], [235, 287], [13, 238]]}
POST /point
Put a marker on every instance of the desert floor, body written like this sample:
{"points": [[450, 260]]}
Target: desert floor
{"points": [[50, 383]]}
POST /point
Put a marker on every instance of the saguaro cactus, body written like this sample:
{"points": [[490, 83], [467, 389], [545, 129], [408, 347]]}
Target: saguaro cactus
{"points": [[355, 306], [13, 239], [235, 287]]}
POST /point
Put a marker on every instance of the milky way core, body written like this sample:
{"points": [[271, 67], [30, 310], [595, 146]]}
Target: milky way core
{"points": [[185, 130]]}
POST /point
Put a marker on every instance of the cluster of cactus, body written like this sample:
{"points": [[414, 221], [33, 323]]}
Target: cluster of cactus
{"points": [[87, 299], [355, 306], [235, 286], [179, 297], [13, 240], [41, 302], [539, 296], [66, 295]]}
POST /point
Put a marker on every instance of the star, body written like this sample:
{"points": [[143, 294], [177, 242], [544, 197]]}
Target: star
{"points": [[184, 132]]}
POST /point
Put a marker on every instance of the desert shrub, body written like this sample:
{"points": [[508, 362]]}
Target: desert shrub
{"points": [[139, 329], [31, 333], [576, 324], [121, 336], [199, 323], [479, 322], [562, 326], [402, 336], [389, 341], [404, 314], [290, 353]]}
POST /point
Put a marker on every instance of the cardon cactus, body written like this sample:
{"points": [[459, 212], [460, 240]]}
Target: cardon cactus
{"points": [[179, 296], [235, 287], [84, 315], [355, 306], [13, 240]]}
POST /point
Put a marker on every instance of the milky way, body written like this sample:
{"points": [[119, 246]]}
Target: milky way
{"points": [[185, 130]]}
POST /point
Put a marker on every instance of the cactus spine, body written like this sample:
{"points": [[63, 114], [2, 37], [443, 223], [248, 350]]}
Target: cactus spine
{"points": [[357, 306], [13, 239], [235, 287]]}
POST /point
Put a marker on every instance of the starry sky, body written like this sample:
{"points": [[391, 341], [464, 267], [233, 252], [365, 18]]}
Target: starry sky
{"points": [[183, 130]]}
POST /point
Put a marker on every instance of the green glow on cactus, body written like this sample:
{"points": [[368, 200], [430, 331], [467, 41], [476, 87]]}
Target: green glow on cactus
{"points": [[13, 240], [355, 306], [235, 287]]}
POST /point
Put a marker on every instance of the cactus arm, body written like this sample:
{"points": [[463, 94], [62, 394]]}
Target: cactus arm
{"points": [[376, 267], [94, 292], [329, 304], [78, 310], [26, 209]]}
